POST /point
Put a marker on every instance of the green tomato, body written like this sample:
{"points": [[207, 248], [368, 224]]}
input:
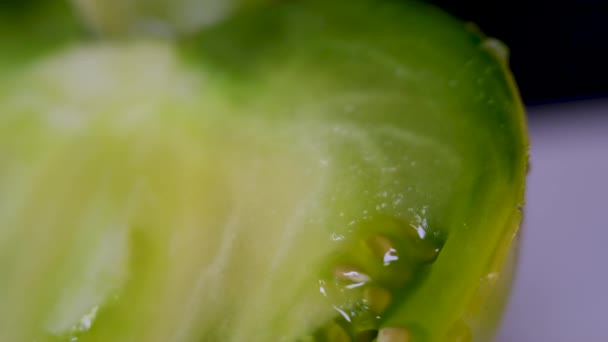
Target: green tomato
{"points": [[302, 172]]}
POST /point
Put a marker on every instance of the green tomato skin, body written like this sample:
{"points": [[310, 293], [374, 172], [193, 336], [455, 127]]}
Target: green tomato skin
{"points": [[356, 111]]}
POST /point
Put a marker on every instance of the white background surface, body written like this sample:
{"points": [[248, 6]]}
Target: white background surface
{"points": [[561, 287]]}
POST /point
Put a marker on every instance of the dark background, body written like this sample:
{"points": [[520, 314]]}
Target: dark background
{"points": [[559, 49]]}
